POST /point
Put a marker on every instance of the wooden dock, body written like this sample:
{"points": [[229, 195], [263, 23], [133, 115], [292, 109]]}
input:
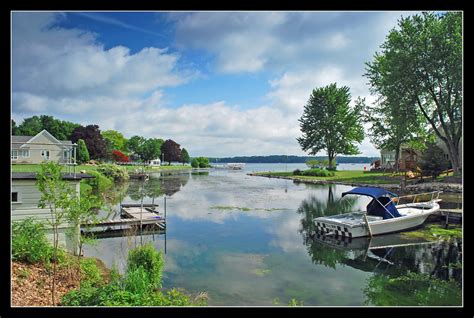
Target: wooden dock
{"points": [[451, 215], [134, 215]]}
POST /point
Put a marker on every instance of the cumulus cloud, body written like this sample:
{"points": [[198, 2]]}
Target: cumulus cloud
{"points": [[68, 73]]}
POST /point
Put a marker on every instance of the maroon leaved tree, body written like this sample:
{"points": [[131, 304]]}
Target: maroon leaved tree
{"points": [[171, 151], [119, 156], [94, 141]]}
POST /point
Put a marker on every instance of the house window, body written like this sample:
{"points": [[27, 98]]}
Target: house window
{"points": [[14, 154], [15, 197], [24, 153], [45, 154], [66, 154]]}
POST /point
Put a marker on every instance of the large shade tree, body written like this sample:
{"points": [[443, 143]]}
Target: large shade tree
{"points": [[422, 61], [171, 151], [94, 141], [115, 140], [329, 123], [60, 129]]}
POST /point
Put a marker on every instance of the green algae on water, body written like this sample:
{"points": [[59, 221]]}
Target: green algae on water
{"points": [[245, 209]]}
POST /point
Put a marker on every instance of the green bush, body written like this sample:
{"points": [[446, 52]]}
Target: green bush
{"points": [[29, 242], [91, 273], [200, 162], [318, 173], [85, 188], [114, 172], [297, 172], [150, 260], [136, 288], [100, 182]]}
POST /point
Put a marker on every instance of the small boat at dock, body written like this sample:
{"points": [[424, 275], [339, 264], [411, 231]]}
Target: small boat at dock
{"points": [[384, 214]]}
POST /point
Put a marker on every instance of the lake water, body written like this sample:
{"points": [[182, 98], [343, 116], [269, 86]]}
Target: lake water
{"points": [[246, 241]]}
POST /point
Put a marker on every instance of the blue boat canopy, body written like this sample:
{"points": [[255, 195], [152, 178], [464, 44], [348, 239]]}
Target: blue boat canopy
{"points": [[371, 192], [381, 204]]}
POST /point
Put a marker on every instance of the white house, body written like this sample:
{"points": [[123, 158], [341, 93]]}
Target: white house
{"points": [[39, 148], [155, 162]]}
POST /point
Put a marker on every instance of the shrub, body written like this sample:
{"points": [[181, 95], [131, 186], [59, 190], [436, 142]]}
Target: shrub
{"points": [[136, 288], [119, 156], [82, 152], [200, 162], [148, 258], [433, 162], [318, 173], [29, 242], [99, 182], [90, 273], [114, 172], [297, 172]]}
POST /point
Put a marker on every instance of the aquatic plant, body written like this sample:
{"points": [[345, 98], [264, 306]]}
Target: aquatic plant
{"points": [[412, 289]]}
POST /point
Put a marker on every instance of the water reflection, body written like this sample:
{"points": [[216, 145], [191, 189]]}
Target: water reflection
{"points": [[314, 207], [157, 186]]}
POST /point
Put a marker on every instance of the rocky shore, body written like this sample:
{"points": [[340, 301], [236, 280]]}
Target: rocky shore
{"points": [[412, 188]]}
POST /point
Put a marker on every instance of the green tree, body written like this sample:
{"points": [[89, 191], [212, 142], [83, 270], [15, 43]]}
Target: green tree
{"points": [[328, 123], [394, 122], [14, 128], [30, 126], [185, 156], [422, 61], [82, 152], [115, 140], [134, 144], [151, 149], [432, 161], [61, 130], [56, 195]]}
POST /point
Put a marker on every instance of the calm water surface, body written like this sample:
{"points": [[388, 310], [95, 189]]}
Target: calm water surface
{"points": [[247, 241]]}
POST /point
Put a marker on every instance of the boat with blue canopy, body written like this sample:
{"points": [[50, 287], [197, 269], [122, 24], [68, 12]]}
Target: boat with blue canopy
{"points": [[384, 214]]}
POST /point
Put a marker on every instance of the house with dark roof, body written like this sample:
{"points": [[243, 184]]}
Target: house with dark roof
{"points": [[39, 148]]}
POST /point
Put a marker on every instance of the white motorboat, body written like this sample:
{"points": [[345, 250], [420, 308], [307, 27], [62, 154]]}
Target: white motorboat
{"points": [[384, 214]]}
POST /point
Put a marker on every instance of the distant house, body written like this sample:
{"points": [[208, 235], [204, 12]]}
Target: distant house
{"points": [[443, 146], [155, 162], [408, 158], [39, 148]]}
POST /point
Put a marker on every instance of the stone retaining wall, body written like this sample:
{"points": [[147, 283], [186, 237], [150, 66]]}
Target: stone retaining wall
{"points": [[414, 188]]}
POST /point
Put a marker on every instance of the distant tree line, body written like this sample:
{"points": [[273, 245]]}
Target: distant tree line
{"points": [[289, 159]]}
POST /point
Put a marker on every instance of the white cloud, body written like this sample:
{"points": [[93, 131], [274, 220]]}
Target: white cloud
{"points": [[69, 74], [55, 63]]}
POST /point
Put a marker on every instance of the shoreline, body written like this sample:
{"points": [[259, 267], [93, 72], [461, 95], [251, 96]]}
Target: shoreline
{"points": [[421, 187]]}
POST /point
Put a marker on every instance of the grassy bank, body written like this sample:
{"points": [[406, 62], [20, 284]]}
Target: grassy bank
{"points": [[343, 176], [87, 168]]}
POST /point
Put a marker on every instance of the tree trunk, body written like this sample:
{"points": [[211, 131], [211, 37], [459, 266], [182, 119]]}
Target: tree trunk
{"points": [[454, 156], [397, 158]]}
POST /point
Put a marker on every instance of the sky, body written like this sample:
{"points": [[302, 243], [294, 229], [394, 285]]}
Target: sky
{"points": [[218, 83]]}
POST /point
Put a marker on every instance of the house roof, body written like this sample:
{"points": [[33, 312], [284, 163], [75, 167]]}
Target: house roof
{"points": [[18, 141], [66, 176]]}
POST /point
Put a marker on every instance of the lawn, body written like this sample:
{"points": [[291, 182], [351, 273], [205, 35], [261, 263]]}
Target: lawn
{"points": [[36, 168], [352, 176]]}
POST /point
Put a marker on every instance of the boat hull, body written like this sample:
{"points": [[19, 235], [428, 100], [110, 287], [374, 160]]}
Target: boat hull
{"points": [[340, 227]]}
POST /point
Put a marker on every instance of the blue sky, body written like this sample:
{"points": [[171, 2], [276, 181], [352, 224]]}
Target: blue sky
{"points": [[218, 83]]}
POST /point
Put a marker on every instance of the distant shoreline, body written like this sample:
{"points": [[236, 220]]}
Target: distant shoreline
{"points": [[289, 159]]}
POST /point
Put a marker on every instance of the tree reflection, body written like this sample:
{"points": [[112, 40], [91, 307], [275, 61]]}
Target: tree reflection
{"points": [[440, 259], [314, 207], [156, 187]]}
